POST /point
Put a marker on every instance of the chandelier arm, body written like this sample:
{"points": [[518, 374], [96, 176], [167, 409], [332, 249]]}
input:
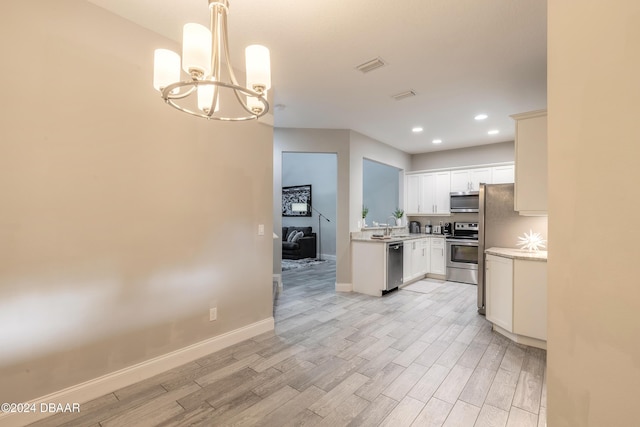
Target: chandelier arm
{"points": [[216, 9], [193, 84], [166, 92], [244, 105], [225, 47]]}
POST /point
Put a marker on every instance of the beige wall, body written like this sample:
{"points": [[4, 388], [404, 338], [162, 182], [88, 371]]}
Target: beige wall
{"points": [[364, 147], [351, 148], [122, 220], [315, 141], [594, 269], [461, 157]]}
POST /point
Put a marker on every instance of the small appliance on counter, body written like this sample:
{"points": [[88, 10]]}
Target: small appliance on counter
{"points": [[437, 229], [414, 227], [447, 229], [427, 228]]}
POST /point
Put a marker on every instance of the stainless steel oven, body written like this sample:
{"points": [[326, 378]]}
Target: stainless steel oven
{"points": [[462, 254], [462, 261]]}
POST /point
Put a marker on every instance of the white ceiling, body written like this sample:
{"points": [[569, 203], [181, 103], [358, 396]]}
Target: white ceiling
{"points": [[461, 57]]}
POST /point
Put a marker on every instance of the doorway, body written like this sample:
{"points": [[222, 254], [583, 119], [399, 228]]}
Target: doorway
{"points": [[309, 205]]}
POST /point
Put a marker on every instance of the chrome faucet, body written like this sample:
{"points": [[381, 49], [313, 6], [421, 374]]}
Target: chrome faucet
{"points": [[387, 230]]}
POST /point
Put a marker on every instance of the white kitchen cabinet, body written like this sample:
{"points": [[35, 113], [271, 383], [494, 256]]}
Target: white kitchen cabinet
{"points": [[413, 194], [407, 262], [469, 179], [415, 262], [437, 256], [499, 291], [503, 174], [428, 193], [531, 163], [530, 299], [369, 267], [516, 298], [425, 245], [436, 189], [460, 180]]}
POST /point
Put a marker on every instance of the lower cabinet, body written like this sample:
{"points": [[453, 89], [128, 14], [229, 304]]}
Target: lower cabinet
{"points": [[516, 293], [416, 259], [369, 267], [419, 257], [437, 256], [499, 279]]}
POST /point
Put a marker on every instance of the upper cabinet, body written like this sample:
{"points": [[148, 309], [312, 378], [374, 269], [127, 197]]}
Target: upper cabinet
{"points": [[428, 193], [413, 193], [531, 163], [470, 179], [503, 175]]}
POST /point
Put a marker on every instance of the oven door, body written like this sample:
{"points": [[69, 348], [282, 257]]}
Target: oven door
{"points": [[462, 254]]}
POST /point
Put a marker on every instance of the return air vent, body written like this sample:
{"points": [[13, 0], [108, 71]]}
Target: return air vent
{"points": [[403, 95], [371, 65]]}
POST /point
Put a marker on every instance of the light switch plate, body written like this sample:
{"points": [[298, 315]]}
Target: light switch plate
{"points": [[260, 229]]}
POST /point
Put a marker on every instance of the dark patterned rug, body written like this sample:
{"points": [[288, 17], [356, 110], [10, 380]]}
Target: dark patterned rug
{"points": [[292, 264]]}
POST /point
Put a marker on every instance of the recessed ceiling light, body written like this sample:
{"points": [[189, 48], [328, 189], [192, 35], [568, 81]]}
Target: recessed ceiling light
{"points": [[437, 141], [417, 129], [481, 117], [493, 132]]}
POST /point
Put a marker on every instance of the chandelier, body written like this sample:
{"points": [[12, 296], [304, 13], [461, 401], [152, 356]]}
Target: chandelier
{"points": [[204, 51]]}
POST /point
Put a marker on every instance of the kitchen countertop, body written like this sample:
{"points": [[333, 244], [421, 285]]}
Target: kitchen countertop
{"points": [[395, 238], [518, 254]]}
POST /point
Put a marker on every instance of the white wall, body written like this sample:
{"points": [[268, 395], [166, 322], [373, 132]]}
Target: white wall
{"points": [[594, 275], [119, 221], [461, 157], [321, 171]]}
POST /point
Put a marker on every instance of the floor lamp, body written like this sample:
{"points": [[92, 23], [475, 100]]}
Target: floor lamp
{"points": [[303, 207]]}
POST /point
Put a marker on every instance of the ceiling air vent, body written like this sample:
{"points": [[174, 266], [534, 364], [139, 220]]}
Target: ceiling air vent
{"points": [[403, 95], [371, 65]]}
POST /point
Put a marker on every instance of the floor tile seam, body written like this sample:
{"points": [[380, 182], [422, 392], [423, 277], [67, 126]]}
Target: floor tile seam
{"points": [[453, 406], [524, 410]]}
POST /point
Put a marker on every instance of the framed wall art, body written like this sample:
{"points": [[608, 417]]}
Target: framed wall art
{"points": [[296, 200]]}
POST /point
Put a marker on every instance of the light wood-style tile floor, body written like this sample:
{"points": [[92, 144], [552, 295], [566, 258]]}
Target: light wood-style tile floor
{"points": [[344, 359]]}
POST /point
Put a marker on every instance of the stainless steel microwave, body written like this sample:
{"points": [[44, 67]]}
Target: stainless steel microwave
{"points": [[465, 201]]}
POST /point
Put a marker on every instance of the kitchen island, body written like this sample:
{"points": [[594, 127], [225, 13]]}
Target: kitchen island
{"points": [[516, 283], [422, 254]]}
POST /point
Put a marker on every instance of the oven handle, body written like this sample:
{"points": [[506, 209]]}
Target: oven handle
{"points": [[458, 242]]}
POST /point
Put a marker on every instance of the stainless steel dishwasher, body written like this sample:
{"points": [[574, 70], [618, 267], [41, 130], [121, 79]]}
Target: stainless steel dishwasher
{"points": [[394, 266]]}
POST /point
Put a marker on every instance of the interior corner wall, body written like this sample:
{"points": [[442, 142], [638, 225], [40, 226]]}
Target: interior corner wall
{"points": [[123, 220], [321, 171], [316, 141], [462, 157], [362, 147], [380, 191], [593, 358]]}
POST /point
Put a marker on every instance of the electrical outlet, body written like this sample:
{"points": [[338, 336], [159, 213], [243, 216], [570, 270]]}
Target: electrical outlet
{"points": [[260, 229], [213, 314]]}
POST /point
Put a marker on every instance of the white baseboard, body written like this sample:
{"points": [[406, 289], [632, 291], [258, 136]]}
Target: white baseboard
{"points": [[328, 257], [344, 287], [105, 384], [521, 339]]}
